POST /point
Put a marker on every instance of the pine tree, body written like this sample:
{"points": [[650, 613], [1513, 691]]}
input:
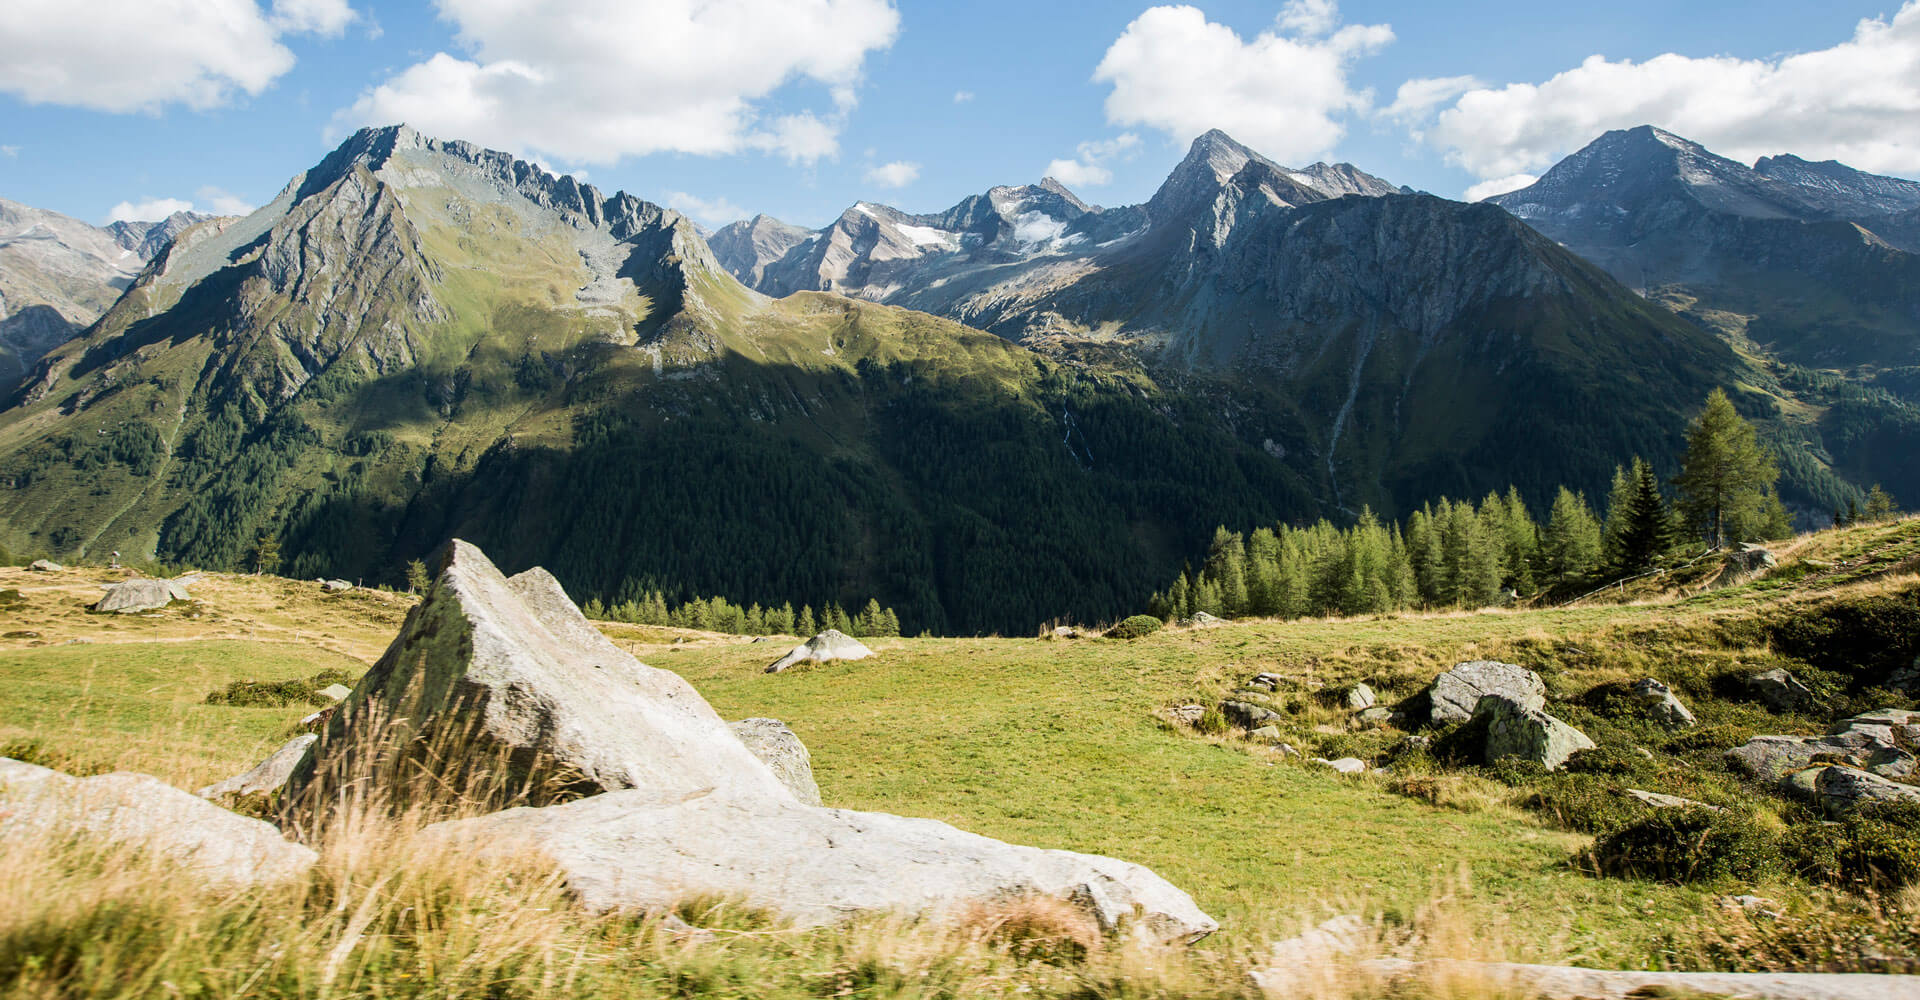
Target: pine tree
{"points": [[1522, 544], [889, 623], [806, 628], [1226, 568], [1648, 532], [417, 577], [1571, 549], [869, 620], [1880, 505], [1619, 514], [266, 554], [1725, 476]]}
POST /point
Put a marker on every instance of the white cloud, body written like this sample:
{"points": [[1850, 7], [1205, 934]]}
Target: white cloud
{"points": [[596, 80], [148, 210], [327, 18], [1416, 99], [142, 55], [10, 152], [1857, 101], [962, 96], [1073, 173], [897, 174], [217, 201], [1283, 92], [1085, 169], [1499, 185], [712, 213]]}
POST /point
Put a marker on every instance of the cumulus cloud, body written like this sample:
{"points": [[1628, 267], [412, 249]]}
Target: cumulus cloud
{"points": [[147, 210], [327, 18], [217, 201], [712, 213], [962, 96], [897, 174], [1416, 99], [1085, 169], [10, 152], [142, 55], [1857, 101], [596, 80], [1499, 185], [1284, 92]]}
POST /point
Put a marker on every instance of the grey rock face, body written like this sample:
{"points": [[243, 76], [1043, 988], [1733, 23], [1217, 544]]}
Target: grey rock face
{"points": [[1187, 715], [1247, 715], [1841, 789], [491, 668], [777, 747], [1517, 730], [137, 812], [1661, 703], [1880, 742], [1268, 733], [1662, 801], [336, 692], [141, 595], [746, 248], [336, 586], [639, 849], [269, 775], [1750, 562], [832, 644], [1780, 690], [1374, 718], [1359, 697], [45, 566], [1456, 694]]}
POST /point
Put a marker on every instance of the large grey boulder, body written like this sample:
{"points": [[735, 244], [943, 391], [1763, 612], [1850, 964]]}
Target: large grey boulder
{"points": [[777, 747], [1359, 697], [1516, 730], [135, 596], [1841, 789], [266, 777], [505, 674], [1881, 742], [44, 566], [644, 849], [1456, 693], [1247, 715], [1780, 690], [1661, 704], [1906, 680], [134, 812], [832, 644], [1751, 562]]}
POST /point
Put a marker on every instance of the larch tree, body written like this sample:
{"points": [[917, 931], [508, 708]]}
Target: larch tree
{"points": [[1726, 477]]}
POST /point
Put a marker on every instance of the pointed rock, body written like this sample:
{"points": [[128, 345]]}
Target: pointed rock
{"points": [[832, 644], [268, 776]]}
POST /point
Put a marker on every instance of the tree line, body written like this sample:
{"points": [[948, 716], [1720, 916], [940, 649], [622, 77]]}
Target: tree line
{"points": [[717, 614], [1466, 555]]}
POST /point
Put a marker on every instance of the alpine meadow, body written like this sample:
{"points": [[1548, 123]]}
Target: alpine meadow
{"points": [[424, 573]]}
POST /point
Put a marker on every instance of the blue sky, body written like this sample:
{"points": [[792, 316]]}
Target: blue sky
{"points": [[798, 108]]}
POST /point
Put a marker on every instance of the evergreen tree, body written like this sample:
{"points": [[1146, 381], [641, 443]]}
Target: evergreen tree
{"points": [[1648, 530], [1522, 544], [1725, 476], [806, 628], [417, 577], [869, 620], [266, 554], [1571, 549], [889, 623], [1619, 514], [1226, 568], [1880, 505]]}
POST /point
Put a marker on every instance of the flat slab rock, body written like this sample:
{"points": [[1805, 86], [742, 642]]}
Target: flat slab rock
{"points": [[832, 644], [268, 776], [1880, 742], [639, 850], [135, 596], [138, 812], [1557, 981], [1456, 693], [512, 666]]}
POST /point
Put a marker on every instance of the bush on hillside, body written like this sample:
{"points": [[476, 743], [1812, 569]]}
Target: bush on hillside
{"points": [[1608, 760], [1582, 803], [279, 694], [1876, 847], [1708, 738], [1860, 638], [1682, 846], [1136, 627]]}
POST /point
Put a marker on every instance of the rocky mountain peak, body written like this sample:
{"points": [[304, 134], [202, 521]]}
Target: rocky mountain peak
{"points": [[1337, 179], [1838, 189]]}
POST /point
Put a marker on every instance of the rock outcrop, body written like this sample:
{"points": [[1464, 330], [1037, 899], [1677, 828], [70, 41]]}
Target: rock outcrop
{"points": [[1840, 789], [135, 812], [1780, 690], [1516, 730], [832, 644], [675, 804], [639, 850], [1456, 694], [1881, 742], [508, 678], [777, 747], [44, 566], [266, 777], [1660, 703], [135, 596], [1247, 715]]}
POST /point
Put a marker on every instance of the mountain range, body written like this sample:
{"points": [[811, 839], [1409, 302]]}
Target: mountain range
{"points": [[1024, 407], [58, 274]]}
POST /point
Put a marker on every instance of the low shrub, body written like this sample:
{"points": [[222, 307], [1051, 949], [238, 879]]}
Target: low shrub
{"points": [[1608, 760], [279, 694], [1724, 737], [1682, 846], [1876, 847], [1213, 722], [1136, 627], [36, 752], [1582, 803]]}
